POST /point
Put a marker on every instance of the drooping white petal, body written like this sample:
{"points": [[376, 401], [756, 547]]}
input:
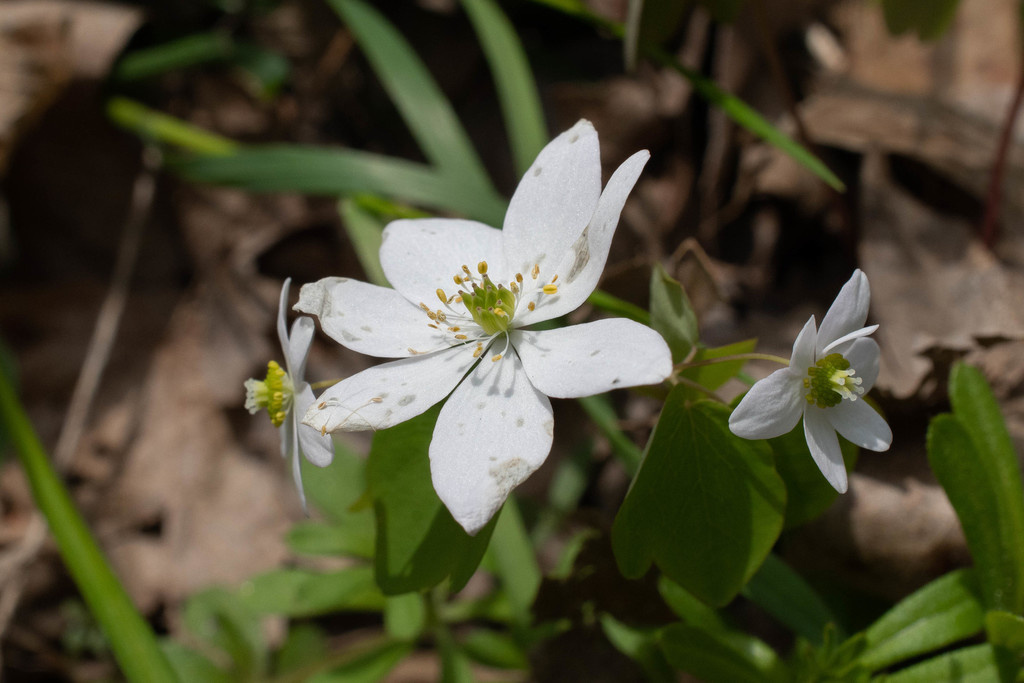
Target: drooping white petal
{"points": [[824, 447], [297, 349], [863, 355], [840, 344], [848, 312], [554, 200], [580, 267], [493, 432], [588, 359], [282, 311], [771, 408], [369, 319], [316, 447], [859, 423], [803, 348], [420, 255], [387, 394]]}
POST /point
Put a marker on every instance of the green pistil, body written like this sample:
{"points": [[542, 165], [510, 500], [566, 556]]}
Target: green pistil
{"points": [[491, 306], [831, 380], [274, 394]]}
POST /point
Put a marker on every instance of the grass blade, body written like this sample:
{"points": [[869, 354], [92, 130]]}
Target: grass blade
{"points": [[517, 91]]}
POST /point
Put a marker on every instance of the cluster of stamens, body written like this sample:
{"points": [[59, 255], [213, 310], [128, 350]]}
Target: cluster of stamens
{"points": [[274, 394], [491, 306], [830, 380]]}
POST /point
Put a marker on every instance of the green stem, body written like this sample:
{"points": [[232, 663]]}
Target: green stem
{"points": [[161, 128], [725, 359], [134, 645], [613, 304]]}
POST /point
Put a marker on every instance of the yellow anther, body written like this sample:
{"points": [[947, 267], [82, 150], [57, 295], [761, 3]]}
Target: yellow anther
{"points": [[322, 405], [495, 359], [478, 350], [323, 431], [424, 307], [433, 325], [442, 316], [519, 277], [458, 280], [433, 316], [554, 279], [500, 312], [482, 267], [550, 289], [442, 296], [465, 269], [531, 306], [454, 329], [461, 336], [458, 299], [376, 399], [514, 287], [535, 272]]}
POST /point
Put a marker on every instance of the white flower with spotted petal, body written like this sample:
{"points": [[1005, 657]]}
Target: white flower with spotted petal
{"points": [[830, 368], [285, 395], [462, 293]]}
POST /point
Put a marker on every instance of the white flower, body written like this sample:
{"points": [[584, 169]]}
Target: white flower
{"points": [[285, 395], [829, 369], [463, 292]]}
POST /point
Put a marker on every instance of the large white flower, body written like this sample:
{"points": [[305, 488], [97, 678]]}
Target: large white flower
{"points": [[830, 368], [463, 292], [285, 395]]}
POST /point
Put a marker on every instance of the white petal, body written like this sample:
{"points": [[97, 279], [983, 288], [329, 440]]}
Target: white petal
{"points": [[824, 446], [771, 408], [803, 348], [840, 344], [848, 312], [387, 394], [863, 355], [315, 447], [579, 269], [859, 423], [282, 311], [297, 350], [493, 432], [369, 319], [420, 255], [592, 358], [554, 200]]}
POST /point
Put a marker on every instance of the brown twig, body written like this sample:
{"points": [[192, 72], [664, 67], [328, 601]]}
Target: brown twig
{"points": [[990, 222]]}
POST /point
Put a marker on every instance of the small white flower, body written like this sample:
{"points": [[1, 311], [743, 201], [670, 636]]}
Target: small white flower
{"points": [[285, 395], [830, 368], [463, 292]]}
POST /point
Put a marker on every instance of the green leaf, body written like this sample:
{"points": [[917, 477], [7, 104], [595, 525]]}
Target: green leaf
{"points": [[672, 315], [714, 375], [640, 645], [610, 303], [189, 665], [809, 493], [1006, 630], [973, 458], [977, 664], [517, 91], [226, 622], [928, 18], [184, 52], [424, 108], [599, 409], [364, 231], [706, 506], [332, 538], [418, 542], [785, 595], [157, 127], [650, 21], [515, 561], [338, 172], [491, 648], [370, 666], [721, 657], [405, 616], [946, 610], [688, 608], [302, 593], [305, 646]]}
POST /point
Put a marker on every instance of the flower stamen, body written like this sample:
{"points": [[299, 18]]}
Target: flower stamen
{"points": [[831, 380]]}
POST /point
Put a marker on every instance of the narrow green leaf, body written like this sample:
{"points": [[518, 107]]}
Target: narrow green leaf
{"points": [[946, 610], [808, 492], [785, 595], [610, 303], [339, 172], [157, 127], [133, 643], [706, 506], [672, 315], [418, 543], [977, 664], [424, 108], [688, 608], [495, 649], [517, 90], [189, 665], [368, 667], [305, 646], [300, 592], [928, 19], [515, 561], [405, 616], [640, 645], [974, 460], [600, 410], [332, 538], [191, 50], [1006, 630], [364, 232], [721, 657], [226, 622]]}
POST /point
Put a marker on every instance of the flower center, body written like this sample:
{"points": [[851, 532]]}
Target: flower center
{"points": [[830, 380], [274, 394]]}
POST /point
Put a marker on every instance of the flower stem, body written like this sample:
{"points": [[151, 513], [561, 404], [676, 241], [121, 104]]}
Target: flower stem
{"points": [[324, 384], [686, 365], [131, 638]]}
